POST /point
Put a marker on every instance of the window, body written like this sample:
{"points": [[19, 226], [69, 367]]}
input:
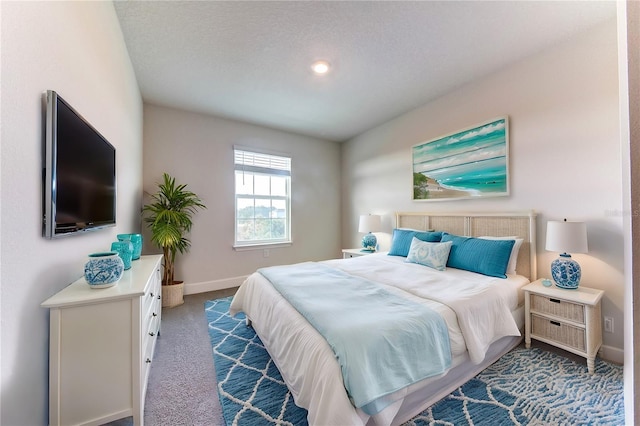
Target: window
{"points": [[263, 193]]}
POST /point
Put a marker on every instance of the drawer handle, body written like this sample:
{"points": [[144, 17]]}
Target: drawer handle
{"points": [[151, 294], [556, 323], [153, 314], [158, 297], [554, 300], [153, 334], [148, 361]]}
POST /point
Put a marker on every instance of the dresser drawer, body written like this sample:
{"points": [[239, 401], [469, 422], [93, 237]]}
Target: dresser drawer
{"points": [[147, 357], [150, 332], [558, 308], [153, 295], [151, 309], [153, 314], [148, 344], [557, 331], [149, 299]]}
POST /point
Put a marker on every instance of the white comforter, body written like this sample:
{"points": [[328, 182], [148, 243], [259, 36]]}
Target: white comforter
{"points": [[476, 309]]}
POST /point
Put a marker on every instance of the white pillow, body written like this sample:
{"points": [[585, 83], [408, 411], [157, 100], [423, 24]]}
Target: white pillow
{"points": [[513, 259], [433, 255]]}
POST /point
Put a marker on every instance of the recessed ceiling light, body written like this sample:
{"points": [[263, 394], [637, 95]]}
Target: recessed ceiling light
{"points": [[320, 67]]}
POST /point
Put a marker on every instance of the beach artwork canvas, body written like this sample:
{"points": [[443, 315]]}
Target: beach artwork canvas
{"points": [[470, 163]]}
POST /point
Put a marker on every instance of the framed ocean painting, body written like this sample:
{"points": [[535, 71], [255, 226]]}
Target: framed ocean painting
{"points": [[470, 163]]}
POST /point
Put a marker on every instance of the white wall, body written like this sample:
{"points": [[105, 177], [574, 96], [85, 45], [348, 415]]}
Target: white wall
{"points": [[629, 72], [77, 49], [565, 156], [198, 151]]}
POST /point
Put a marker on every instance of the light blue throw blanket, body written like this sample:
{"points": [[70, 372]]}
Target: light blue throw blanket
{"points": [[382, 341]]}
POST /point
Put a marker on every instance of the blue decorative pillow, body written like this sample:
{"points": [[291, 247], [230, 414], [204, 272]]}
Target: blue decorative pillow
{"points": [[433, 255], [487, 257], [401, 240], [513, 260]]}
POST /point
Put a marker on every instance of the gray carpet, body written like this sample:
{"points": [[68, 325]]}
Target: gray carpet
{"points": [[182, 381]]}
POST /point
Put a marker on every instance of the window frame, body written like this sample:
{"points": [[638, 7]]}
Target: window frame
{"points": [[261, 164]]}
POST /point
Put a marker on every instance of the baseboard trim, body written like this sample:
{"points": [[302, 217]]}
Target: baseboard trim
{"points": [[612, 354], [203, 287]]}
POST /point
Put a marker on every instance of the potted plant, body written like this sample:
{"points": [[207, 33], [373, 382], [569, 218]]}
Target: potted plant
{"points": [[169, 218]]}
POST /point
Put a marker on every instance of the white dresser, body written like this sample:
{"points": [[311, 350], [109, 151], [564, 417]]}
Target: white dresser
{"points": [[101, 346]]}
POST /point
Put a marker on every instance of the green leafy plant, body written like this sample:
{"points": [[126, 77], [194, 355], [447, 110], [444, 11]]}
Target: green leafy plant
{"points": [[169, 217]]}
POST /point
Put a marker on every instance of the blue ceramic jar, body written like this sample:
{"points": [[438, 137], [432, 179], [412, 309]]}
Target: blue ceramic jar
{"points": [[125, 251], [103, 269], [136, 239]]}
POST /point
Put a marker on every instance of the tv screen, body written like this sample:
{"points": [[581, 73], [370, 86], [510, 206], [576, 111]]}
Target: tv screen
{"points": [[79, 173]]}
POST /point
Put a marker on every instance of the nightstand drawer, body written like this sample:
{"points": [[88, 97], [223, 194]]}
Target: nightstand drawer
{"points": [[558, 308], [559, 332]]}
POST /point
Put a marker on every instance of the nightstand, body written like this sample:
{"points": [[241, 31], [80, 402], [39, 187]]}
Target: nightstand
{"points": [[355, 252], [568, 319]]}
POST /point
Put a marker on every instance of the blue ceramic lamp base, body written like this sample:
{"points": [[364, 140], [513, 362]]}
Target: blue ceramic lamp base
{"points": [[566, 272], [369, 243]]}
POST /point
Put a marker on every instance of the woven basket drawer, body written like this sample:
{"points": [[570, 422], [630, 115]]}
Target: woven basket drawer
{"points": [[558, 308], [558, 332]]}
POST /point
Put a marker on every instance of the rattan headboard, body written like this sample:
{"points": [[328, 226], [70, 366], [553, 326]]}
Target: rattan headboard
{"points": [[522, 225]]}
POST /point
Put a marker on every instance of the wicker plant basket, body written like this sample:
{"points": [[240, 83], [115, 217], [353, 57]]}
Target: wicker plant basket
{"points": [[172, 295]]}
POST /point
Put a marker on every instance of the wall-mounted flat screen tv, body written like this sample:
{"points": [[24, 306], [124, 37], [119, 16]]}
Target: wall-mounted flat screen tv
{"points": [[79, 176]]}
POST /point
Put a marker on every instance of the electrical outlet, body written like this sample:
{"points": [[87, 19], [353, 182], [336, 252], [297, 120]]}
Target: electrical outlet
{"points": [[608, 324]]}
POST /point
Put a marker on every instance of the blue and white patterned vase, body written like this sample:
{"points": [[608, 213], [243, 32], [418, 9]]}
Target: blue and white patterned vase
{"points": [[369, 242], [566, 272], [136, 239], [125, 251], [103, 269]]}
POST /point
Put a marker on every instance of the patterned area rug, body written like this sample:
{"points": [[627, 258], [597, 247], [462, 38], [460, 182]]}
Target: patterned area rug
{"points": [[525, 387]]}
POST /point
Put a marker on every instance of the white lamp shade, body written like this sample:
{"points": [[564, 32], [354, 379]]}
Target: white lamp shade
{"points": [[369, 223], [566, 237]]}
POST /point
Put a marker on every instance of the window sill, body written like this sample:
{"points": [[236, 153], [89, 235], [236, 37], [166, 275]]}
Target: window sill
{"points": [[250, 247]]}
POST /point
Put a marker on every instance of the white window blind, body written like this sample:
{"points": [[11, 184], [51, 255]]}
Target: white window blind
{"points": [[262, 163]]}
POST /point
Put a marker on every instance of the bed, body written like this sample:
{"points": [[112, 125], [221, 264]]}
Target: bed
{"points": [[315, 374]]}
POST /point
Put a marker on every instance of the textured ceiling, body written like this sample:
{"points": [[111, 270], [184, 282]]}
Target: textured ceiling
{"points": [[250, 60]]}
